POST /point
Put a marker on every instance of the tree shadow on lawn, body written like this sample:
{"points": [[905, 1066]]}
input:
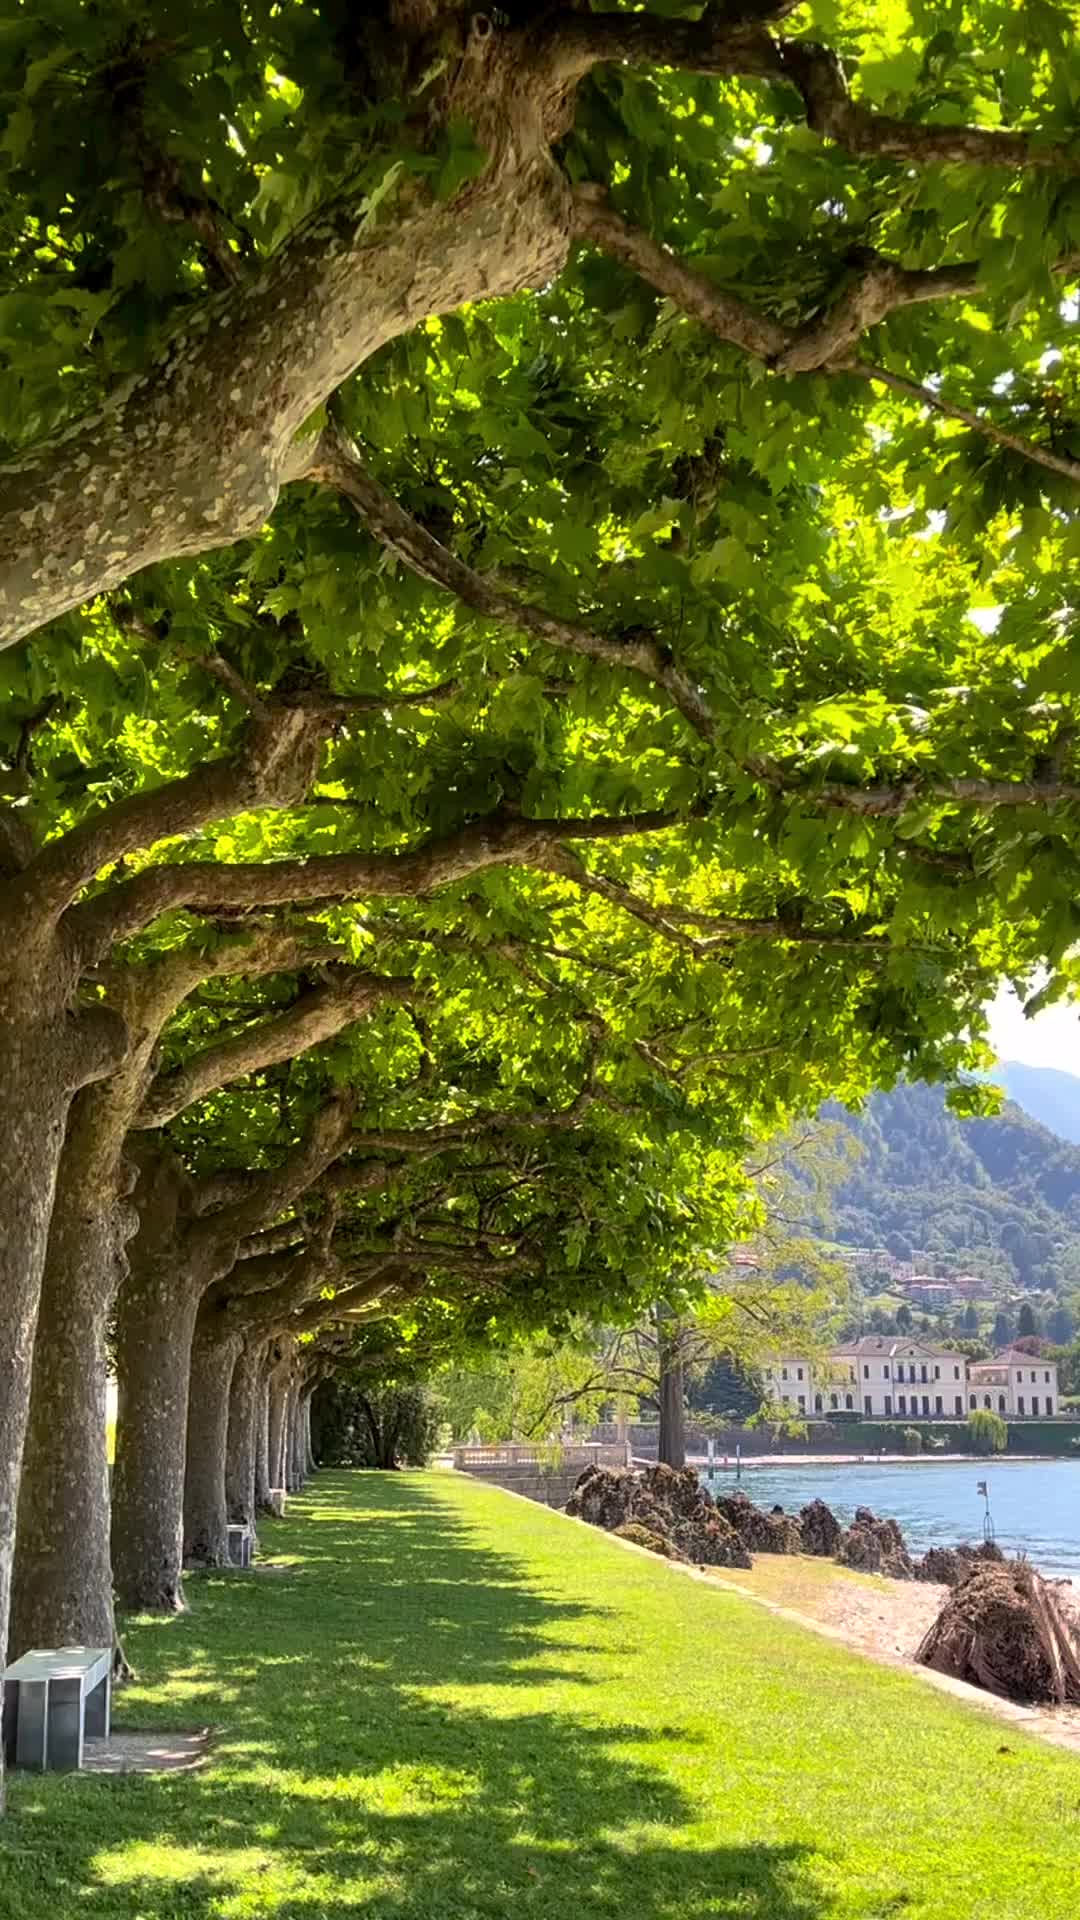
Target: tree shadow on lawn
{"points": [[347, 1780]]}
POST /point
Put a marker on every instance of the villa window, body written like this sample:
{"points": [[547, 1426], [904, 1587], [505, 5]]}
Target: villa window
{"points": [[902, 1403], [1049, 1404], [926, 1406], [956, 1373], [783, 1373], [1001, 1403], [866, 1373], [1046, 1377], [1034, 1376], [986, 1401], [937, 1373], [849, 1403], [802, 1403], [833, 1402], [973, 1402], [960, 1403], [939, 1407], [818, 1403], [868, 1404], [923, 1374], [885, 1369], [1020, 1403], [888, 1405], [800, 1373]]}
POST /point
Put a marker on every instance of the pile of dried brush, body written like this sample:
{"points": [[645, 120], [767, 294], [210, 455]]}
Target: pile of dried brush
{"points": [[1007, 1629]]}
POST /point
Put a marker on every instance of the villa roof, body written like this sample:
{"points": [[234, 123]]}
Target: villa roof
{"points": [[887, 1346], [1016, 1357]]}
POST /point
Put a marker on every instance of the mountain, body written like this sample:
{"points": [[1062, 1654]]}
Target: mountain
{"points": [[1044, 1092], [1001, 1195]]}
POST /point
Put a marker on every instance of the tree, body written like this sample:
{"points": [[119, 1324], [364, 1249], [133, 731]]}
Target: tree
{"points": [[971, 1318], [987, 1431], [904, 1318], [1004, 1330], [1027, 1325], [1060, 1326], [603, 619], [358, 1424]]}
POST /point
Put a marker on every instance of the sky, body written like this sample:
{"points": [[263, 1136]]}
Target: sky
{"points": [[1051, 1039]]}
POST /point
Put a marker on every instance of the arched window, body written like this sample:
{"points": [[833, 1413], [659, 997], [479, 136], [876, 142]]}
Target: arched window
{"points": [[973, 1401], [986, 1400], [818, 1403], [848, 1402], [1001, 1403]]}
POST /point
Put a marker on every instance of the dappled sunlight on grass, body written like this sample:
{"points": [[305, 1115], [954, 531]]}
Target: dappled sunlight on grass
{"points": [[463, 1707]]}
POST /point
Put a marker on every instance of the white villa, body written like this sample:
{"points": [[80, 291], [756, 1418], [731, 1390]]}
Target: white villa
{"points": [[1019, 1385], [883, 1376]]}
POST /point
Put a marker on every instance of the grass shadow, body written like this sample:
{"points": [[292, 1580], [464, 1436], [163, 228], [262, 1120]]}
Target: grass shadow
{"points": [[403, 1733]]}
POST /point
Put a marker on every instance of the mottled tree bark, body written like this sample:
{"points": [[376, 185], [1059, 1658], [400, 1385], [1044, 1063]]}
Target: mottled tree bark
{"points": [[278, 1428], [672, 1402], [242, 1445], [45, 1057], [191, 455], [262, 1440], [155, 1325], [206, 1513], [62, 1589], [309, 1452], [295, 1457]]}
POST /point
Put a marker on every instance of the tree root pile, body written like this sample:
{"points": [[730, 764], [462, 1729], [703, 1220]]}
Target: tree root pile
{"points": [[761, 1532], [872, 1545], [947, 1566], [668, 1505], [670, 1512], [1010, 1631], [821, 1530]]}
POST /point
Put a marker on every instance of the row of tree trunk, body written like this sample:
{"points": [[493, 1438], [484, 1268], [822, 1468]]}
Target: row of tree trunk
{"points": [[207, 1429]]}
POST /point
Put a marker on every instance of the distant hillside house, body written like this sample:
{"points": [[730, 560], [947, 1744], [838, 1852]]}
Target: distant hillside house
{"points": [[885, 1377], [1019, 1385]]}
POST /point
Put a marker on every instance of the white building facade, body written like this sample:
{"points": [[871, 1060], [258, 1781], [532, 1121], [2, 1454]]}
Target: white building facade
{"points": [[885, 1377], [1018, 1385]]}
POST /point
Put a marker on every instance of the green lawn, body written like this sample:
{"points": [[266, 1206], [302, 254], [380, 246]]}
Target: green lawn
{"points": [[460, 1705]]}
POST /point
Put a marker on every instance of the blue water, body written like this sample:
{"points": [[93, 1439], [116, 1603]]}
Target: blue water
{"points": [[1035, 1505]]}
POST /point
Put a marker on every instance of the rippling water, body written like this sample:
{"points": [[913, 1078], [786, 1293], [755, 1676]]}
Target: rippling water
{"points": [[1035, 1505]]}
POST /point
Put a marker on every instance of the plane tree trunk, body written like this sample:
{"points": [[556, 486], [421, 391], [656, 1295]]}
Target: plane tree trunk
{"points": [[192, 455], [242, 1445], [206, 1507]]}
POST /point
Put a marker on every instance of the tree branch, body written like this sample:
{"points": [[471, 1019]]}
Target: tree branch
{"points": [[819, 77], [314, 1016], [272, 1193], [824, 346], [937, 403], [275, 765], [732, 41], [215, 887], [336, 462], [726, 929]]}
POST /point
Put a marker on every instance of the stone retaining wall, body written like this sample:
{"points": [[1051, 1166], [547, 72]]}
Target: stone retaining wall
{"points": [[551, 1486]]}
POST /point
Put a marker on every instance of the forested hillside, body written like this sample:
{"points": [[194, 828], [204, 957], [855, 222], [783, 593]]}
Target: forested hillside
{"points": [[1045, 1093], [1003, 1193]]}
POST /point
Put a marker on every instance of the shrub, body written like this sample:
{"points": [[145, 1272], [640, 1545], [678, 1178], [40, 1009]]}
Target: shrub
{"points": [[987, 1431], [913, 1442], [375, 1427]]}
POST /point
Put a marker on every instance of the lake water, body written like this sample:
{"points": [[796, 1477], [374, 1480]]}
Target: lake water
{"points": [[1035, 1505]]}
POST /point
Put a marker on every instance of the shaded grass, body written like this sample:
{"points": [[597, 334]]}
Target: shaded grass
{"points": [[460, 1706]]}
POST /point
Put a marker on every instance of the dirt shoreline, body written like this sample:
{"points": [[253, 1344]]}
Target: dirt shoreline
{"points": [[880, 1618]]}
